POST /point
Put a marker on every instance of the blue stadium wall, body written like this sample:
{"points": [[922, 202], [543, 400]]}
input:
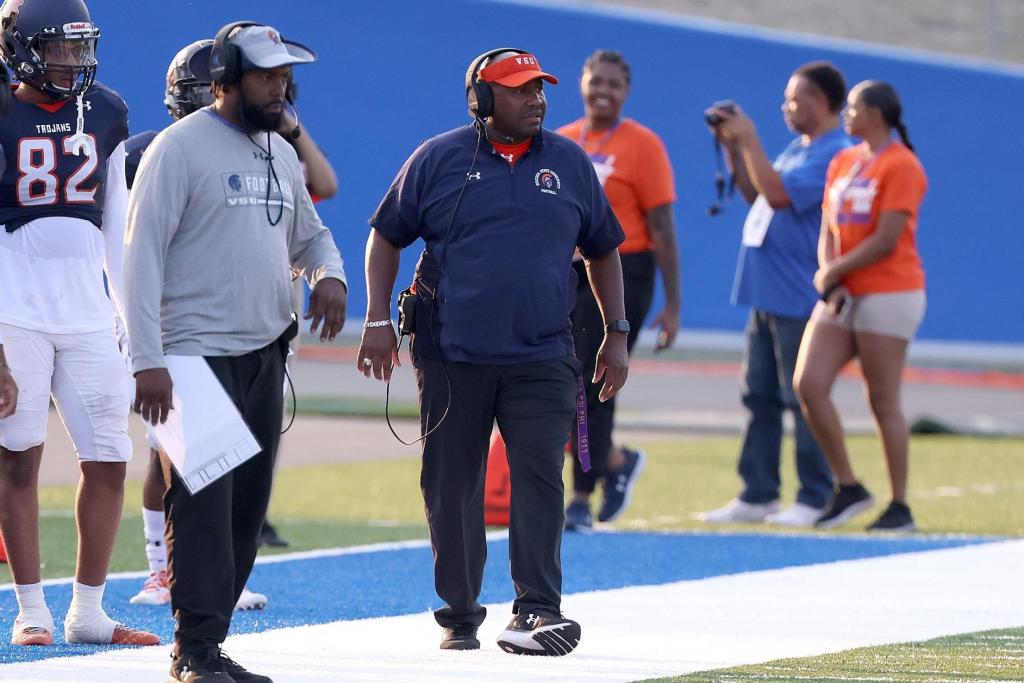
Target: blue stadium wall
{"points": [[390, 75]]}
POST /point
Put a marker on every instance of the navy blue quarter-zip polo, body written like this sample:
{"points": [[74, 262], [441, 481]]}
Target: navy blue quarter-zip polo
{"points": [[505, 291]]}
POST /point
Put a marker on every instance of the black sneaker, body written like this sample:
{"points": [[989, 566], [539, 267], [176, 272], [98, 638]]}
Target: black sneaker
{"points": [[577, 517], [459, 637], [847, 502], [538, 633], [896, 517], [268, 536], [239, 673], [618, 486], [198, 666]]}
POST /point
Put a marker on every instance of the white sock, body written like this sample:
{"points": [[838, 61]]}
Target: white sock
{"points": [[153, 528], [32, 607], [86, 621]]}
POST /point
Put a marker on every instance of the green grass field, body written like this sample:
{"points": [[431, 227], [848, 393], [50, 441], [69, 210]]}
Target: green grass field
{"points": [[985, 656], [959, 485]]}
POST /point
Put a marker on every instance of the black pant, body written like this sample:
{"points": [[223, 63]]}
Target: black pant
{"points": [[212, 536], [534, 404], [588, 332]]}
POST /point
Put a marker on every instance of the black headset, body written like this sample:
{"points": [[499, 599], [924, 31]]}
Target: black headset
{"points": [[479, 94], [226, 58]]}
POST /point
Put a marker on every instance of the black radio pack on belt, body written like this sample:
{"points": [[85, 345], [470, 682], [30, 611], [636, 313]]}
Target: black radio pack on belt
{"points": [[407, 311]]}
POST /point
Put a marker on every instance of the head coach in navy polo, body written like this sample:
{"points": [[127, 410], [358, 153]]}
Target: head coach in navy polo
{"points": [[501, 205]]}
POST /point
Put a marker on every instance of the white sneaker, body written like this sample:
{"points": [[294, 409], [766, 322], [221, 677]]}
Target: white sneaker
{"points": [[155, 591], [796, 515], [738, 512], [249, 600]]}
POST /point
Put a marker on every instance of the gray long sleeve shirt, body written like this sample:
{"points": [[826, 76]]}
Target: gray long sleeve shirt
{"points": [[206, 274]]}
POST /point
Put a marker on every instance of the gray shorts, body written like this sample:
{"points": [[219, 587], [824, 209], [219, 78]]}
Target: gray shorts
{"points": [[894, 314]]}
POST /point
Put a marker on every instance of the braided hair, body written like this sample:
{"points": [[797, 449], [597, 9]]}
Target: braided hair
{"points": [[883, 96]]}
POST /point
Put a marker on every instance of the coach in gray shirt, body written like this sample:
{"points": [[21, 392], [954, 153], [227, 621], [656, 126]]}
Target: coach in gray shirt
{"points": [[219, 216]]}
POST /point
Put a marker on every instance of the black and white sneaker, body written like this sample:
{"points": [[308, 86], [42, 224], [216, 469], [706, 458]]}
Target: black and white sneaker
{"points": [[538, 633], [847, 503], [896, 517], [618, 485]]}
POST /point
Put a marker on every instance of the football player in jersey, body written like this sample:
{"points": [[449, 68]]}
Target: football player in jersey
{"points": [[63, 206]]}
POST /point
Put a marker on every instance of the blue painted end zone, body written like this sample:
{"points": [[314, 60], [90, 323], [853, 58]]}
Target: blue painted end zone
{"points": [[395, 582]]}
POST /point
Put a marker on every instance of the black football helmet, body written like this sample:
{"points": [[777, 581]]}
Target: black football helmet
{"points": [[50, 44], [186, 93]]}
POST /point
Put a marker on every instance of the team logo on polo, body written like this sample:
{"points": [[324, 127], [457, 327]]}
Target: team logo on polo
{"points": [[548, 181]]}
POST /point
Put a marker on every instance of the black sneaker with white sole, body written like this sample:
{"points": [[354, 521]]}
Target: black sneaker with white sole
{"points": [[459, 637], [538, 633], [847, 503], [896, 517], [618, 485]]}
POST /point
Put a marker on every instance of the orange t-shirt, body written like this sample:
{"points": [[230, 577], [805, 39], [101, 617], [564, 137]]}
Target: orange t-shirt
{"points": [[633, 167], [858, 189]]}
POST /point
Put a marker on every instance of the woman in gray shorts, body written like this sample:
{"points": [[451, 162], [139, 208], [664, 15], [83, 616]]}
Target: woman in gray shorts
{"points": [[872, 297]]}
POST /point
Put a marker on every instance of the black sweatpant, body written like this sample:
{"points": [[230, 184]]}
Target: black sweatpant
{"points": [[535, 405], [588, 332], [212, 537]]}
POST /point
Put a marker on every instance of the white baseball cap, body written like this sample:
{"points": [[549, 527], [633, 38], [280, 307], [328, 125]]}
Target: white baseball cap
{"points": [[261, 47]]}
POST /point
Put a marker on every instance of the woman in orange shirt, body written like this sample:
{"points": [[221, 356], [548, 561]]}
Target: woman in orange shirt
{"points": [[635, 172], [873, 299]]}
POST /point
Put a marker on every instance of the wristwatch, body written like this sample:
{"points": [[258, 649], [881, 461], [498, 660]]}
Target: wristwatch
{"points": [[617, 326]]}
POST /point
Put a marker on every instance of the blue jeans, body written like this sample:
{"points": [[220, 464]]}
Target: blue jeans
{"points": [[767, 389]]}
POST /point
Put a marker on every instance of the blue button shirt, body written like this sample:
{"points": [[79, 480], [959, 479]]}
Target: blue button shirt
{"points": [[777, 276], [506, 288]]}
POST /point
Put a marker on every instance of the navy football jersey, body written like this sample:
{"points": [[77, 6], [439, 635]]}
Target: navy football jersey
{"points": [[42, 176], [135, 147]]}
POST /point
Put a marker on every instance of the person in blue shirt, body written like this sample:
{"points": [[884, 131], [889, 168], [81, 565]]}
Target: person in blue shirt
{"points": [[777, 262], [501, 206]]}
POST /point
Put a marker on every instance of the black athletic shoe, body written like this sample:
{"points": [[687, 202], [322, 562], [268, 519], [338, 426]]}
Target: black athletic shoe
{"points": [[896, 517], [618, 486], [459, 637], [268, 536], [198, 666], [578, 518], [538, 633], [847, 503], [239, 673]]}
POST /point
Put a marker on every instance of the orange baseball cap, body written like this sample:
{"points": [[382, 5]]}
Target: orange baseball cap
{"points": [[515, 71]]}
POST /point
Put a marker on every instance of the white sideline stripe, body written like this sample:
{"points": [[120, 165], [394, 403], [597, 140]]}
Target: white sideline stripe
{"points": [[637, 633], [288, 557]]}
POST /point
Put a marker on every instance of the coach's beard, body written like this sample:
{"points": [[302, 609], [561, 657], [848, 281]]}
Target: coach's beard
{"points": [[256, 119]]}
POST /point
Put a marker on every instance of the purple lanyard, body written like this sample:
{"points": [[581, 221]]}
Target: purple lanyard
{"points": [[583, 442], [582, 139]]}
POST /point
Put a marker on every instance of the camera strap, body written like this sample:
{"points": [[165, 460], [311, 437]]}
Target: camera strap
{"points": [[722, 197]]}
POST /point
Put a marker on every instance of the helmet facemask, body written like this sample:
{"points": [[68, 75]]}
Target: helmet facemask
{"points": [[66, 64]]}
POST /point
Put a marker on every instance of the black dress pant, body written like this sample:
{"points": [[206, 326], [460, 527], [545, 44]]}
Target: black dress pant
{"points": [[534, 405], [212, 536], [588, 332]]}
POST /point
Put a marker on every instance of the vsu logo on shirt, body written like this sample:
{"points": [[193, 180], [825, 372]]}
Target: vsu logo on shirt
{"points": [[243, 188], [548, 181]]}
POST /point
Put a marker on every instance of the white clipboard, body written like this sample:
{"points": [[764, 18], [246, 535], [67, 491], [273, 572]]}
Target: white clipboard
{"points": [[755, 227], [204, 437]]}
